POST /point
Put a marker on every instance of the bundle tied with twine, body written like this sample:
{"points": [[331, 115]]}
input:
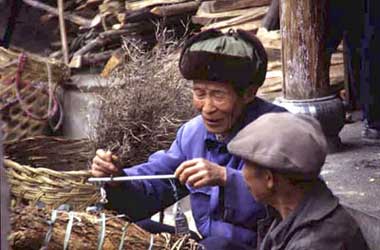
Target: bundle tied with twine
{"points": [[145, 104], [34, 228]]}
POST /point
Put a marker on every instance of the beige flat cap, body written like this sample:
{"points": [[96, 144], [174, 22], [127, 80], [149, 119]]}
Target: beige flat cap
{"points": [[284, 142]]}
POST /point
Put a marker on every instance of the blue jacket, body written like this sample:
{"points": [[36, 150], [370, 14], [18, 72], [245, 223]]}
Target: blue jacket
{"points": [[228, 211]]}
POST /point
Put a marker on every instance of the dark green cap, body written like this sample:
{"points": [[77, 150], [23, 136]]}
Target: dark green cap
{"points": [[237, 57]]}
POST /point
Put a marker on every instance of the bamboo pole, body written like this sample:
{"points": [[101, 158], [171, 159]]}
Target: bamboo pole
{"points": [[62, 28]]}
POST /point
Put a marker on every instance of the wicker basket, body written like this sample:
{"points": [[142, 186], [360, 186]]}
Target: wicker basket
{"points": [[27, 84], [17, 124], [35, 69], [52, 184]]}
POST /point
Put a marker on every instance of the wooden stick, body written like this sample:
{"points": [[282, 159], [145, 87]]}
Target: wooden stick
{"points": [[10, 26], [227, 5], [205, 17], [204, 11], [89, 4], [136, 16], [89, 46], [62, 29], [254, 15], [147, 3], [97, 58], [90, 59], [104, 38], [131, 178], [70, 17], [117, 58], [113, 33], [271, 20], [175, 9]]}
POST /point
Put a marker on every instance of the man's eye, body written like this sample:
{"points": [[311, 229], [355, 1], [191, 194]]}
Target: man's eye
{"points": [[219, 94], [199, 94]]}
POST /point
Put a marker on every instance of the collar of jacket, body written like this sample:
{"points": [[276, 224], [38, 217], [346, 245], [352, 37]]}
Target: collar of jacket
{"points": [[318, 203]]}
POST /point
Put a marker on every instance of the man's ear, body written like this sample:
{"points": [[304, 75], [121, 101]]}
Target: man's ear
{"points": [[269, 178], [250, 94]]}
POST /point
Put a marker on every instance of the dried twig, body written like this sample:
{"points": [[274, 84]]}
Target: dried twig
{"points": [[70, 17]]}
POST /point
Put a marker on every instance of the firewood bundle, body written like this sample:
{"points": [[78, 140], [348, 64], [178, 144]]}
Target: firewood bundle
{"points": [[34, 228]]}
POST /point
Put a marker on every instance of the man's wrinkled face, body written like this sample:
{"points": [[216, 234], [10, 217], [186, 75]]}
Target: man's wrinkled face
{"points": [[219, 105], [256, 182]]}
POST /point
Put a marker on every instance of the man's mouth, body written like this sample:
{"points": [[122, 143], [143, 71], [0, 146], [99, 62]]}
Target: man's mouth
{"points": [[212, 122]]}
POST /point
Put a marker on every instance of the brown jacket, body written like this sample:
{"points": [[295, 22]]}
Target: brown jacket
{"points": [[319, 223]]}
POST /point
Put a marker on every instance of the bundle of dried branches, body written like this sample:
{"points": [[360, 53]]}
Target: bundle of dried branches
{"points": [[31, 225], [55, 153], [146, 103]]}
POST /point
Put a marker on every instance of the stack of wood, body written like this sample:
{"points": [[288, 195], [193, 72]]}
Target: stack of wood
{"points": [[227, 14], [273, 84], [101, 27], [95, 28]]}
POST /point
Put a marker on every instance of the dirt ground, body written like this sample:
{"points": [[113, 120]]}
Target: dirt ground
{"points": [[354, 173]]}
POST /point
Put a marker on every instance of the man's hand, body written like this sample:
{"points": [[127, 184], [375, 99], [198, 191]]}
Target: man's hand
{"points": [[200, 172], [102, 164]]}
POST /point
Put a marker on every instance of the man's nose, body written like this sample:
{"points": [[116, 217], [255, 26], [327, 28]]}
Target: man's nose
{"points": [[208, 105]]}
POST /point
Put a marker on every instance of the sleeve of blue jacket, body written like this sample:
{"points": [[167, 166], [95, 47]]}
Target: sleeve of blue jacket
{"points": [[237, 196], [141, 199]]}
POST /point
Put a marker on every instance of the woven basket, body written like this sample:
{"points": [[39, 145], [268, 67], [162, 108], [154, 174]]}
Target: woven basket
{"points": [[35, 69], [17, 124], [27, 84], [52, 184]]}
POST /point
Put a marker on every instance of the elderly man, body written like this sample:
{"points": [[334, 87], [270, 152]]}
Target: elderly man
{"points": [[283, 156], [227, 70]]}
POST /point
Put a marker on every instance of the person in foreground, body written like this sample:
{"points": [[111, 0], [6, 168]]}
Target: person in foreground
{"points": [[226, 70], [283, 156]]}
